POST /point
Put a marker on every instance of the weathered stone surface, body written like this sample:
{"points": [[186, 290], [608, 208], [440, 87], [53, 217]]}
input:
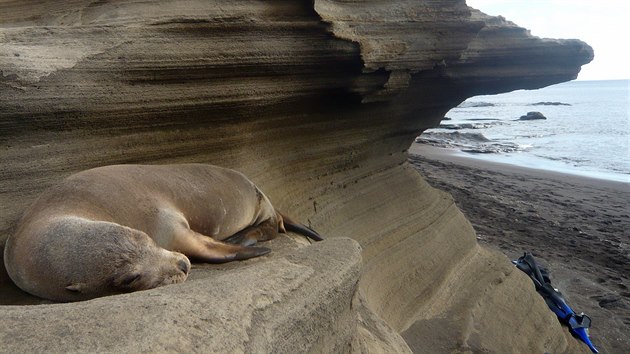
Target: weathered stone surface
{"points": [[317, 102], [290, 304]]}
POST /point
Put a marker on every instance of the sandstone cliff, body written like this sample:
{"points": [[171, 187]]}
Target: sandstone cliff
{"points": [[316, 101]]}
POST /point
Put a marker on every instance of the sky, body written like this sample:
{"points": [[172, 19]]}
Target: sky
{"points": [[603, 24]]}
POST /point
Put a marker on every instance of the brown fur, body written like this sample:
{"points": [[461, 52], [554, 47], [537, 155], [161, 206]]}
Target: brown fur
{"points": [[130, 227]]}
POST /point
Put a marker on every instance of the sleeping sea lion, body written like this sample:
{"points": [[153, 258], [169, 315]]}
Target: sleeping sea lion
{"points": [[124, 228]]}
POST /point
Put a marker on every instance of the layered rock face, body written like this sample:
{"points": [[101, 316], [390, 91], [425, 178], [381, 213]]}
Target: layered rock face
{"points": [[317, 102]]}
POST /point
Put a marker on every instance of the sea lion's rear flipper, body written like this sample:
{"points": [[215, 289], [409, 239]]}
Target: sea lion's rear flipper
{"points": [[249, 236], [288, 224], [205, 249]]}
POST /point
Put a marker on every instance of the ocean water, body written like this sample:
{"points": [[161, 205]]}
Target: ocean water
{"points": [[587, 130]]}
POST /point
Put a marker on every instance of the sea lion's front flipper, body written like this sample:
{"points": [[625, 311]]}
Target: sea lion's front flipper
{"points": [[205, 249], [251, 252]]}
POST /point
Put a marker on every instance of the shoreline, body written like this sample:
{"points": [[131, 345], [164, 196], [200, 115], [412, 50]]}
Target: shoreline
{"points": [[574, 225], [455, 156]]}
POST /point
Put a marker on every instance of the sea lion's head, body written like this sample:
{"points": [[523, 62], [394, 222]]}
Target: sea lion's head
{"points": [[125, 260], [151, 271], [72, 259]]}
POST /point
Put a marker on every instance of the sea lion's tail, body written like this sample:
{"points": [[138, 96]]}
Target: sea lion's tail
{"points": [[289, 224]]}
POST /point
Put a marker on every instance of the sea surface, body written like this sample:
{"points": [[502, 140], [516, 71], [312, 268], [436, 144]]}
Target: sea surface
{"points": [[586, 130]]}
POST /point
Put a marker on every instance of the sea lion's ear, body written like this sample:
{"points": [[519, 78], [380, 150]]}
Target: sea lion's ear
{"points": [[75, 288]]}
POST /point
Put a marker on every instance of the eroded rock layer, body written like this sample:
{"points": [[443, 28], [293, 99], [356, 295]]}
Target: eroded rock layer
{"points": [[316, 101]]}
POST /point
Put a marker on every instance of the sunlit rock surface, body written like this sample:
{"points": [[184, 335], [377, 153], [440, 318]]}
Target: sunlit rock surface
{"points": [[317, 102]]}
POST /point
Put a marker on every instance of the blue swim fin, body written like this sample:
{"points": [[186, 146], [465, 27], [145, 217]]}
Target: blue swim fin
{"points": [[578, 324], [582, 333]]}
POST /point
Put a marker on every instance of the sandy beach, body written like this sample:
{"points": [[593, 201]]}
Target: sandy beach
{"points": [[577, 227]]}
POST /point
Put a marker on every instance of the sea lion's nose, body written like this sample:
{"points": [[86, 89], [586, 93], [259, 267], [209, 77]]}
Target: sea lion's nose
{"points": [[183, 265]]}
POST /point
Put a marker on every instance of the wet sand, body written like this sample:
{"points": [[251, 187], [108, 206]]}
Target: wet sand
{"points": [[578, 227]]}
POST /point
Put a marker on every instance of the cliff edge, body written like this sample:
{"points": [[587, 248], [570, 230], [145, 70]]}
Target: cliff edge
{"points": [[317, 102]]}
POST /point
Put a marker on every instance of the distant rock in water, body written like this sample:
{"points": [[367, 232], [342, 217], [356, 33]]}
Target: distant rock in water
{"points": [[449, 139], [549, 104], [483, 125], [457, 126], [475, 104], [532, 116]]}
